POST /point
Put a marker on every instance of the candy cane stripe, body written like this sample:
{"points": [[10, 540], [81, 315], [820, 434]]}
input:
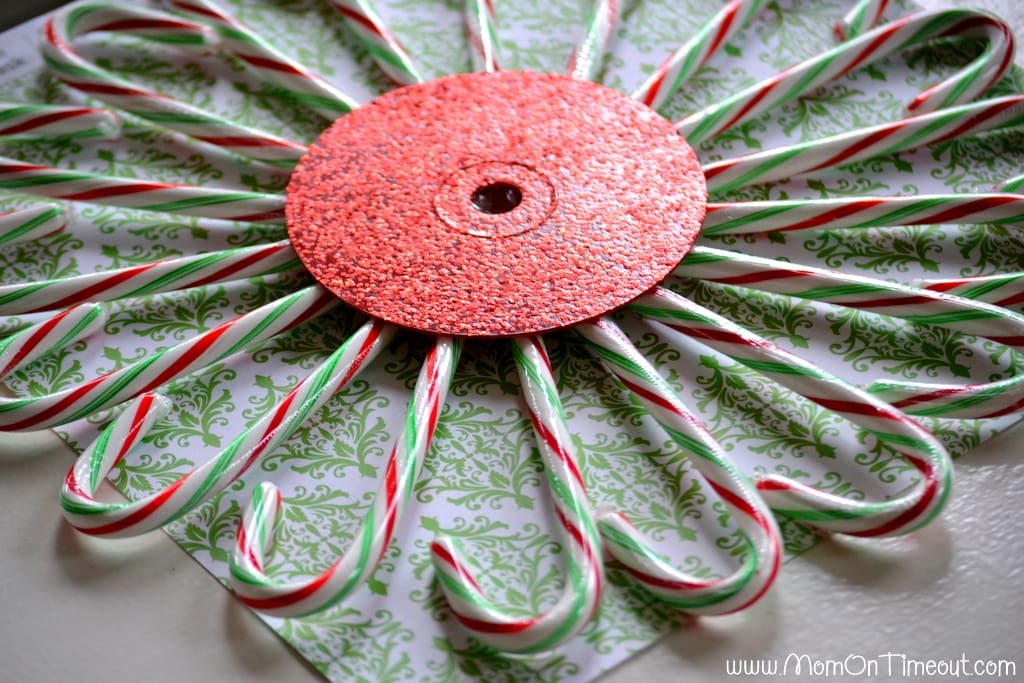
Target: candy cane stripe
{"points": [[973, 80]]}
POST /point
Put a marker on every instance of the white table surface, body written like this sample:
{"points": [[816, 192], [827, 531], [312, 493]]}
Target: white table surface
{"points": [[79, 609]]}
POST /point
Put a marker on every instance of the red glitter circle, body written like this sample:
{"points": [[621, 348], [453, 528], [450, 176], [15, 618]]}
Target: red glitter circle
{"points": [[606, 199]]}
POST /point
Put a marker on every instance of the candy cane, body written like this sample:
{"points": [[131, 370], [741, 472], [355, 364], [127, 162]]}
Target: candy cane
{"points": [[865, 143], [384, 48], [914, 305], [88, 514], [57, 183], [736, 218], [26, 225], [628, 544], [256, 536], [974, 79], [578, 604], [904, 512], [688, 59], [42, 339], [586, 59], [1015, 184], [45, 121], [864, 16], [242, 42], [150, 278], [1005, 289], [482, 31], [61, 407], [80, 73]]}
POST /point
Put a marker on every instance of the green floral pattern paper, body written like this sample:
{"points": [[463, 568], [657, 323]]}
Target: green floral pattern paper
{"points": [[483, 482]]}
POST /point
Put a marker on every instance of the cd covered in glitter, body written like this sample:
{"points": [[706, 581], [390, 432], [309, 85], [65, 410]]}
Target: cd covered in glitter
{"points": [[495, 204]]}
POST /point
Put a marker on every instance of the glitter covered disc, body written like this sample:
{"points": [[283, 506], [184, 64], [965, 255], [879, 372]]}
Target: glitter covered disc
{"points": [[495, 204]]}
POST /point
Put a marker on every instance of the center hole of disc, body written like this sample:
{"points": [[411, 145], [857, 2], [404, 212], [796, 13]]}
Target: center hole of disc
{"points": [[496, 198]]}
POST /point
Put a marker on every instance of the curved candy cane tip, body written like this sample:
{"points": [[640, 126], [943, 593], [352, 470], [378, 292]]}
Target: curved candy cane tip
{"points": [[507, 633], [969, 82], [1001, 47], [505, 629], [626, 543], [694, 595], [109, 126], [261, 512], [56, 34], [864, 16], [160, 406], [78, 502], [919, 504], [68, 213], [277, 597], [893, 515], [39, 340]]}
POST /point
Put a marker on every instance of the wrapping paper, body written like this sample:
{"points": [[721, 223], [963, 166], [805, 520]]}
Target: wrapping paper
{"points": [[483, 483]]}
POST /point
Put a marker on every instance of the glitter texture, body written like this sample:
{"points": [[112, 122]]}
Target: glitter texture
{"points": [[380, 210]]}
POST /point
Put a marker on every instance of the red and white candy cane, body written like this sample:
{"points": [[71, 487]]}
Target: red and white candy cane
{"points": [[1004, 289], [864, 16], [971, 81], [262, 592], [977, 400], [865, 143], [383, 46], [83, 75], [628, 545], [905, 511], [40, 412], [586, 59], [44, 121], [98, 518], [737, 218], [149, 278], [58, 183], [688, 59], [481, 616], [482, 32], [33, 222], [241, 41]]}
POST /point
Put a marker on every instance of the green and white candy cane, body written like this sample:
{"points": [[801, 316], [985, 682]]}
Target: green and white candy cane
{"points": [[864, 143], [738, 218], [864, 16], [33, 222], [83, 75], [277, 597], [971, 81], [629, 546], [482, 32], [45, 121], [576, 607], [389, 54], [692, 55], [98, 518], [48, 410], [975, 400], [311, 89], [58, 183], [588, 55], [900, 514], [150, 278]]}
